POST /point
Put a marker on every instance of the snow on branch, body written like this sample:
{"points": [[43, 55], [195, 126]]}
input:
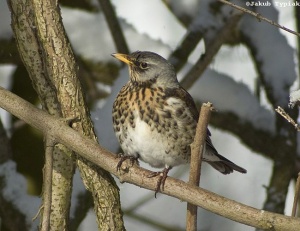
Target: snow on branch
{"points": [[274, 57]]}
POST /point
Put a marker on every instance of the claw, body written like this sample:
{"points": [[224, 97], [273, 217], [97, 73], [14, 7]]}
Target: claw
{"points": [[123, 158], [162, 179]]}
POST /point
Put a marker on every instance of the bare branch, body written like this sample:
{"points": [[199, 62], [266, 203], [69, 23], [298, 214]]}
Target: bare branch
{"points": [[30, 51], [47, 184], [285, 115], [259, 17], [137, 175], [197, 148], [41, 22]]}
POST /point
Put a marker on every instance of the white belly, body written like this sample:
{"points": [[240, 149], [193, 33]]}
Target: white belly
{"points": [[150, 146]]}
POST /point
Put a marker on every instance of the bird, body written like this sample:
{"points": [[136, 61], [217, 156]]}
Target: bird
{"points": [[155, 118]]}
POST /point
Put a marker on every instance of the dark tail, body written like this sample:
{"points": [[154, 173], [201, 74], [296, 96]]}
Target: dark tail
{"points": [[225, 166]]}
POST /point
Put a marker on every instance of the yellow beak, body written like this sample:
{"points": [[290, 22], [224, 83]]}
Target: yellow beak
{"points": [[122, 57]]}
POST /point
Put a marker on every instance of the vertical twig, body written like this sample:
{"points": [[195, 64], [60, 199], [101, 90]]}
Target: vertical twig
{"points": [[47, 186], [296, 197], [197, 148]]}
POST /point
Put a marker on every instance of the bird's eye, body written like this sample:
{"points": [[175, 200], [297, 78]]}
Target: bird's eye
{"points": [[143, 65]]}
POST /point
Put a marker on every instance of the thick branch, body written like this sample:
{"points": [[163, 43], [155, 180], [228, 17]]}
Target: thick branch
{"points": [[29, 46], [138, 176], [54, 57]]}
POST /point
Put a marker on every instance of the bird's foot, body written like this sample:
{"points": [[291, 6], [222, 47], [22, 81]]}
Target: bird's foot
{"points": [[162, 179], [123, 157]]}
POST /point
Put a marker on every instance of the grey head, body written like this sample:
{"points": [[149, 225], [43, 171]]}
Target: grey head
{"points": [[149, 67]]}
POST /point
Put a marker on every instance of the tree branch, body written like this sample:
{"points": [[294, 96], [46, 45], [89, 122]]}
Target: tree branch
{"points": [[45, 49], [258, 16], [30, 51], [47, 183], [287, 117], [197, 148], [90, 150]]}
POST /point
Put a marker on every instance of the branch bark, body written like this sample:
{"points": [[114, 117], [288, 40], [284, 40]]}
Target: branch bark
{"points": [[197, 148], [47, 189], [28, 43], [48, 57], [136, 175]]}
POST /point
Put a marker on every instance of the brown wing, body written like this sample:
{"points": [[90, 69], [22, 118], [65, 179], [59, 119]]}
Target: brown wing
{"points": [[182, 94], [223, 165]]}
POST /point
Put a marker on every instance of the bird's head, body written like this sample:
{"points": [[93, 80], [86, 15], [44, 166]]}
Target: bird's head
{"points": [[148, 67]]}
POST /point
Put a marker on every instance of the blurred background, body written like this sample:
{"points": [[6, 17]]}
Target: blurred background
{"points": [[246, 68]]}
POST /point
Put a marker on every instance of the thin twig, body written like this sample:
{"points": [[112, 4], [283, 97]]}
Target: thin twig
{"points": [[296, 197], [197, 148], [259, 17], [47, 188], [38, 213], [285, 115]]}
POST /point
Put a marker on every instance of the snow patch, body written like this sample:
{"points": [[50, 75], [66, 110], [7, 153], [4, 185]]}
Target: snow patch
{"points": [[15, 191]]}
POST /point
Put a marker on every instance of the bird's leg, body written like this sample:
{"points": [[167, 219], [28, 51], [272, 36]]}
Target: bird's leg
{"points": [[125, 157], [162, 179]]}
